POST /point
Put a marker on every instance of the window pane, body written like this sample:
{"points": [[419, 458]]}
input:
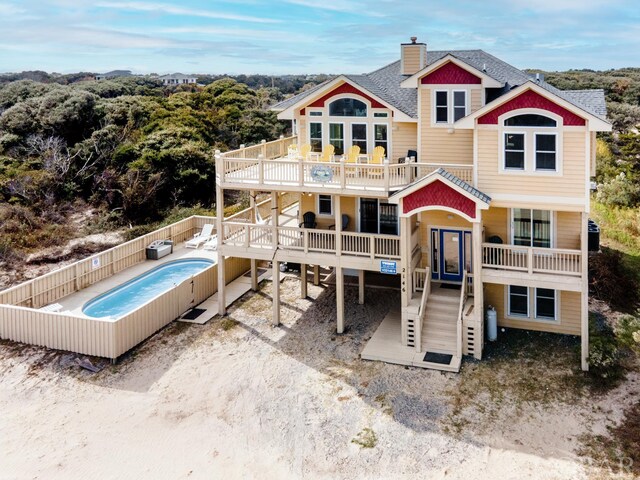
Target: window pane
{"points": [[441, 99], [315, 136], [530, 120], [545, 152], [546, 143], [381, 132], [545, 303], [514, 160], [545, 161], [315, 114], [348, 107], [518, 300], [388, 219], [541, 228], [359, 136], [380, 114], [459, 99], [324, 204], [336, 137], [442, 115], [522, 227], [514, 141], [458, 113]]}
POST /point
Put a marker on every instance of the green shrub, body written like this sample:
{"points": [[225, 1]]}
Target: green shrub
{"points": [[609, 276], [620, 191], [628, 332]]}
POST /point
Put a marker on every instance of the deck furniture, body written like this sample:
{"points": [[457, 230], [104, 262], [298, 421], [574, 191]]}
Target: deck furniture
{"points": [[345, 222], [158, 249], [305, 150], [211, 244], [200, 238], [308, 220]]}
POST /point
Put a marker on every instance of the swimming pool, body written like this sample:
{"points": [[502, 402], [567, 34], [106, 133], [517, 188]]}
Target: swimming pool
{"points": [[130, 295]]}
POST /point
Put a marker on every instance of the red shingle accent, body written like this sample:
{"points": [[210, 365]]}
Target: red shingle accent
{"points": [[345, 88], [440, 194], [531, 99], [450, 73]]}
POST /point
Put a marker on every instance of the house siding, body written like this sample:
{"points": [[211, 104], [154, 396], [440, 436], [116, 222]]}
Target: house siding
{"points": [[569, 311], [404, 138]]}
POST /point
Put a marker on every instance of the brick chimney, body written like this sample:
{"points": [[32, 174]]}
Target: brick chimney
{"points": [[413, 56]]}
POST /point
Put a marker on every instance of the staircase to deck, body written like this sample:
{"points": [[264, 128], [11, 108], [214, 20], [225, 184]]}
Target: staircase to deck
{"points": [[439, 332]]}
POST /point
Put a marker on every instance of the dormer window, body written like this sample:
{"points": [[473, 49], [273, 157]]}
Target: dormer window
{"points": [[450, 105], [347, 107], [530, 143]]}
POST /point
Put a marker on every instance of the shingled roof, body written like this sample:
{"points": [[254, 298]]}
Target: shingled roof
{"points": [[385, 83]]}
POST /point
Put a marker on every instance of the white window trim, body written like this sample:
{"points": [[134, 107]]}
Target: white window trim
{"points": [[552, 227], [535, 151], [555, 307], [518, 315], [318, 205], [529, 142], [315, 113], [450, 105], [531, 307]]}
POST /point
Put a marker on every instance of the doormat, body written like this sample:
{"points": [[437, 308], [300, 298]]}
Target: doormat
{"points": [[193, 313], [450, 286], [441, 358]]}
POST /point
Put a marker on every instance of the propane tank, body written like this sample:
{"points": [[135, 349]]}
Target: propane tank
{"points": [[492, 324]]}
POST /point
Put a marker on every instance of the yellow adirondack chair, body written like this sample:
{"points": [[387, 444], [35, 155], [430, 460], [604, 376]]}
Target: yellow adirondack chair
{"points": [[292, 151], [305, 150], [327, 153], [352, 157], [377, 158]]}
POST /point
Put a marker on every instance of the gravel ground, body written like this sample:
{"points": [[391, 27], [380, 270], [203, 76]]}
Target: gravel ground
{"points": [[240, 398]]}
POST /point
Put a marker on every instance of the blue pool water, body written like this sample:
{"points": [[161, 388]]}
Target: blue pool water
{"points": [[134, 293]]}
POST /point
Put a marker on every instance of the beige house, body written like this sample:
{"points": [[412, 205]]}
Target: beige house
{"points": [[482, 199]]}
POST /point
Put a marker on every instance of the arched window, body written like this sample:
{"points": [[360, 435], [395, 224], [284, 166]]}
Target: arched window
{"points": [[347, 107], [530, 120]]}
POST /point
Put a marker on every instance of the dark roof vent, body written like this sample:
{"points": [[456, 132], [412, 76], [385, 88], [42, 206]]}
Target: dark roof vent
{"points": [[414, 39]]}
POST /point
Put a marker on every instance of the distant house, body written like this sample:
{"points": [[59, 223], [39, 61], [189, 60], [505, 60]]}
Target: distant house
{"points": [[177, 79], [114, 74]]}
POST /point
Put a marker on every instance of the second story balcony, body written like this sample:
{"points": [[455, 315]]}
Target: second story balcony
{"points": [[269, 165]]}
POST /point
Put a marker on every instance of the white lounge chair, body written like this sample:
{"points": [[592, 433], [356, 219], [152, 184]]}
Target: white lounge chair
{"points": [[211, 244], [200, 238], [53, 307]]}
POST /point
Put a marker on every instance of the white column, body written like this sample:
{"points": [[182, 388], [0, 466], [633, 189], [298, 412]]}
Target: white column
{"points": [[316, 275], [222, 305], [361, 287], [584, 295], [405, 261], [254, 275], [275, 278], [303, 280], [338, 221], [478, 299], [339, 300], [274, 218]]}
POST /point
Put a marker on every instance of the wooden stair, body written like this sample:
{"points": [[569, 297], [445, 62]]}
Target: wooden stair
{"points": [[439, 326]]}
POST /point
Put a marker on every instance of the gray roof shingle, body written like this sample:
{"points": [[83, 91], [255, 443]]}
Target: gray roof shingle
{"points": [[385, 83], [453, 179]]}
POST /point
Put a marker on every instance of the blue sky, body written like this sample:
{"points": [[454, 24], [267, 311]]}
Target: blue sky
{"points": [[306, 36]]}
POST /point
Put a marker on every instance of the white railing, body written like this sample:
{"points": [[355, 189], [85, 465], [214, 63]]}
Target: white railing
{"points": [[274, 149], [248, 235], [262, 170], [423, 308], [419, 278], [532, 259], [463, 300]]}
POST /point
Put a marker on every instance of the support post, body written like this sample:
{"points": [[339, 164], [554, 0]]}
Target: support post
{"points": [[254, 275], [338, 219], [303, 280], [478, 299], [339, 300], [222, 304], [274, 218], [275, 277], [316, 275], [584, 295], [361, 287], [405, 261]]}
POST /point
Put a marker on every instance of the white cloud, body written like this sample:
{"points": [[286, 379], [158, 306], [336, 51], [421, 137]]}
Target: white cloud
{"points": [[173, 10]]}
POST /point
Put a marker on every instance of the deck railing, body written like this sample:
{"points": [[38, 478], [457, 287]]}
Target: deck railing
{"points": [[268, 164], [306, 240], [532, 259]]}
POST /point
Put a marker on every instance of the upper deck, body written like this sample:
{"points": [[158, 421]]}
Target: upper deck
{"points": [[268, 166]]}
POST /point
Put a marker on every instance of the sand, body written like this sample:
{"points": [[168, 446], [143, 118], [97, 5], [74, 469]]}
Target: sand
{"points": [[257, 401]]}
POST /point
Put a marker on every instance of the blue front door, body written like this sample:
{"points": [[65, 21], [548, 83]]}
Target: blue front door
{"points": [[451, 259]]}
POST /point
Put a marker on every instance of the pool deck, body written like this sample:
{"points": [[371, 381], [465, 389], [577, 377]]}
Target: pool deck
{"points": [[74, 302]]}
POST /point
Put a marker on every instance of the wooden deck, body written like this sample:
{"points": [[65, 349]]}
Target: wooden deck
{"points": [[385, 345]]}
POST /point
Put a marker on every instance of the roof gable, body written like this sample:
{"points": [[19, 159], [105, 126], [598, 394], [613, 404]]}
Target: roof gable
{"points": [[450, 73], [531, 99], [345, 88]]}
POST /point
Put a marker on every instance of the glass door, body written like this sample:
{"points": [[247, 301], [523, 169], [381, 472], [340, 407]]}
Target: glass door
{"points": [[451, 259], [388, 219], [368, 215], [359, 136], [336, 137]]}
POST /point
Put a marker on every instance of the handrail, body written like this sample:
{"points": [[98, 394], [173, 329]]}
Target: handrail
{"points": [[463, 300], [423, 309], [523, 258]]}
